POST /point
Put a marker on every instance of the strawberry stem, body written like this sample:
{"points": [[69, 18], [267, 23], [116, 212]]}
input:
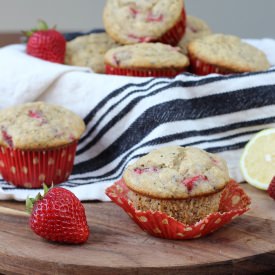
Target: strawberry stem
{"points": [[42, 25], [46, 188], [31, 201]]}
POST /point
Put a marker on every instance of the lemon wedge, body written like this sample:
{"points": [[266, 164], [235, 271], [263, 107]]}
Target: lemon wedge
{"points": [[258, 159]]}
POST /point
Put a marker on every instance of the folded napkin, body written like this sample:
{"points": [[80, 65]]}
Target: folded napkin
{"points": [[127, 117], [24, 78]]}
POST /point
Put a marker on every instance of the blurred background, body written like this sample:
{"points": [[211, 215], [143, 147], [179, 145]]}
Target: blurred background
{"points": [[245, 18]]}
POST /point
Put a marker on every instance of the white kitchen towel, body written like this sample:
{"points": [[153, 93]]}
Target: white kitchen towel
{"points": [[126, 117], [24, 78]]}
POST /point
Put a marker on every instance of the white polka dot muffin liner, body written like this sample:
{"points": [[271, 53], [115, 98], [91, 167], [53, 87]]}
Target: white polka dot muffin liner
{"points": [[32, 168], [199, 67], [175, 34], [234, 202]]}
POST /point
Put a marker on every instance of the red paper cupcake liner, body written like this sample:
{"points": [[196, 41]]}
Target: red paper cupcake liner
{"points": [[234, 202], [32, 168], [199, 67], [174, 35], [143, 72]]}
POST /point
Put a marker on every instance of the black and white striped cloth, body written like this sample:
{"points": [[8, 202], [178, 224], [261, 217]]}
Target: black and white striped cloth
{"points": [[128, 117]]}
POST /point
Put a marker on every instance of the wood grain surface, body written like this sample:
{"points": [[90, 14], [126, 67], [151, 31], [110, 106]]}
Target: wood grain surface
{"points": [[117, 246], [9, 38]]}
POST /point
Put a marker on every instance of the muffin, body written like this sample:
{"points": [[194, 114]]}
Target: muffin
{"points": [[89, 51], [225, 54], [38, 143], [185, 183], [130, 22], [195, 28], [179, 193], [146, 59]]}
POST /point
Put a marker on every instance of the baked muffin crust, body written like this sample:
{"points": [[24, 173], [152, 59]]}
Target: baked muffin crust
{"points": [[146, 55], [228, 52], [89, 51], [129, 21], [177, 173], [39, 125], [195, 28]]}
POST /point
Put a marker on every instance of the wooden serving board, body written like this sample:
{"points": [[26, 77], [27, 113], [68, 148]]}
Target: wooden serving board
{"points": [[117, 246]]}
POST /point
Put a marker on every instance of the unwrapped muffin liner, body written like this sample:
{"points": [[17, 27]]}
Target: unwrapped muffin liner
{"points": [[32, 168], [143, 72], [234, 202], [199, 67], [174, 35]]}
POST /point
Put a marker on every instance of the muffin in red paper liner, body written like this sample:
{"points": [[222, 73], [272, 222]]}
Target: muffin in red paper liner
{"points": [[174, 190], [38, 143], [131, 22], [144, 72], [175, 34], [199, 67], [146, 59], [234, 202], [224, 54]]}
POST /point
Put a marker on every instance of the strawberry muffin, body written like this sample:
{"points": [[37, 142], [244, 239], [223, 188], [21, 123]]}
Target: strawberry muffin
{"points": [[130, 22], [186, 183], [225, 54], [38, 143], [146, 59], [89, 51], [195, 28]]}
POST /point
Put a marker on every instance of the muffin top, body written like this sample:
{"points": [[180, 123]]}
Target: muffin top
{"points": [[195, 28], [146, 55], [89, 51], [177, 173], [229, 52], [39, 125], [129, 21]]}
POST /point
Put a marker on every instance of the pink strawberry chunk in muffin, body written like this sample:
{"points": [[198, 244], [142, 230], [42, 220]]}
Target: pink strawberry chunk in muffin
{"points": [[189, 182], [7, 138], [141, 39], [153, 18], [38, 115], [140, 171]]}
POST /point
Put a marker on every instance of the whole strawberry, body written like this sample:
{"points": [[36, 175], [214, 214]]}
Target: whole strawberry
{"points": [[58, 216], [47, 44], [271, 188]]}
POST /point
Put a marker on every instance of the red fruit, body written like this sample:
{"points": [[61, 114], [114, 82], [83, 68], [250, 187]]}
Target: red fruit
{"points": [[7, 138], [59, 216], [140, 171], [47, 44], [189, 182], [271, 188]]}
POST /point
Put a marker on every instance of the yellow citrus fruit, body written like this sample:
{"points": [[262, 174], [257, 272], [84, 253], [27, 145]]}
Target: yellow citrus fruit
{"points": [[258, 159]]}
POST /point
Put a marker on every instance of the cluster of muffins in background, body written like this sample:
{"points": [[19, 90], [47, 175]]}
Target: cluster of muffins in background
{"points": [[157, 38]]}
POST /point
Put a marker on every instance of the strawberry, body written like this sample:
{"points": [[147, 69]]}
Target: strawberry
{"points": [[47, 44], [271, 188], [58, 216]]}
